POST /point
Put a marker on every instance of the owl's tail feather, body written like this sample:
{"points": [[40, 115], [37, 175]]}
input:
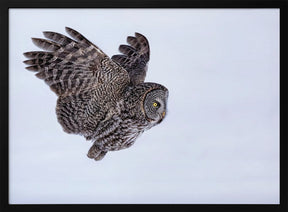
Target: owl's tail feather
{"points": [[96, 153]]}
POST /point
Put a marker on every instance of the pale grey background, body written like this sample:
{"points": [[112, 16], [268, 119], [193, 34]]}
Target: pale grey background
{"points": [[219, 142]]}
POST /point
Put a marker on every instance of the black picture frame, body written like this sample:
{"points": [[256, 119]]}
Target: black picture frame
{"points": [[4, 76]]}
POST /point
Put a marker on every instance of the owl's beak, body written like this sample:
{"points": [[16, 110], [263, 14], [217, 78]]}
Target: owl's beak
{"points": [[163, 115]]}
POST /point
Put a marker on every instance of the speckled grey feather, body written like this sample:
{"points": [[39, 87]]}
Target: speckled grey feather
{"points": [[105, 100]]}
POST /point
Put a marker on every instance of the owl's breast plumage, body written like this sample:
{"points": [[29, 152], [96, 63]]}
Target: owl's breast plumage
{"points": [[119, 131]]}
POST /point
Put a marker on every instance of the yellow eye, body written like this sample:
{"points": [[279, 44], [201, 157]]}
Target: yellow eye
{"points": [[155, 104]]}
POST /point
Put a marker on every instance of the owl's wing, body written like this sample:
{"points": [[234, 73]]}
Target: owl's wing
{"points": [[134, 57], [70, 66]]}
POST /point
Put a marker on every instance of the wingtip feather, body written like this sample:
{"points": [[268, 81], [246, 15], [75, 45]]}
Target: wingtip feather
{"points": [[32, 68], [27, 62], [26, 54]]}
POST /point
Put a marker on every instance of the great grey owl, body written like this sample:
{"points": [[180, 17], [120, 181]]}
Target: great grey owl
{"points": [[104, 99]]}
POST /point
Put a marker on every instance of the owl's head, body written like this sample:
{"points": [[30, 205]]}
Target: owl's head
{"points": [[148, 101], [155, 105]]}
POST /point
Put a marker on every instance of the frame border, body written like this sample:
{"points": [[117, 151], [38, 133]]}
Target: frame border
{"points": [[205, 4]]}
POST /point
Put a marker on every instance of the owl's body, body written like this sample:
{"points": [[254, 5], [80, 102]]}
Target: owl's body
{"points": [[105, 100]]}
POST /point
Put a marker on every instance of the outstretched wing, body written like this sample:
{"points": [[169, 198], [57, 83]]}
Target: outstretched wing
{"points": [[70, 66], [134, 57]]}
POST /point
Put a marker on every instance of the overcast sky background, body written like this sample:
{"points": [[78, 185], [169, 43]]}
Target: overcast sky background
{"points": [[219, 142]]}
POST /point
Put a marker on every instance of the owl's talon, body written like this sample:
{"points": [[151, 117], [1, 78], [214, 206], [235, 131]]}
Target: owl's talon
{"points": [[95, 153], [100, 156]]}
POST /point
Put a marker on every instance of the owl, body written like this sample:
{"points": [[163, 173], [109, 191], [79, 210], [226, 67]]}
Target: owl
{"points": [[103, 99]]}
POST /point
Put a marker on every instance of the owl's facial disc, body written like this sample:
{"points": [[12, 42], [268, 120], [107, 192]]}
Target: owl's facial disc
{"points": [[155, 105]]}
